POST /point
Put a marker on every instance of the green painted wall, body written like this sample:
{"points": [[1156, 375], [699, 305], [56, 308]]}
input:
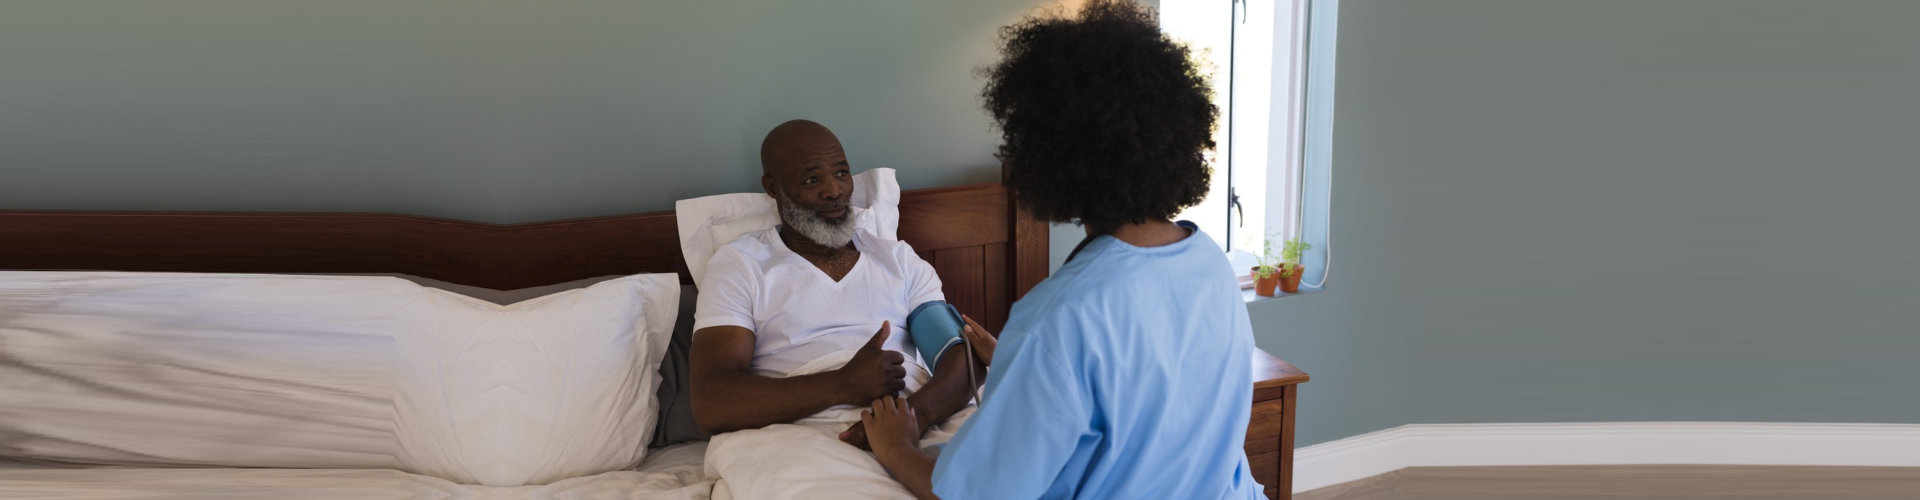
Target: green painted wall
{"points": [[499, 111], [1616, 210]]}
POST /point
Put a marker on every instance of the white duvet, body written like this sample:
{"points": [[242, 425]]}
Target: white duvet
{"points": [[787, 461], [671, 473], [806, 459]]}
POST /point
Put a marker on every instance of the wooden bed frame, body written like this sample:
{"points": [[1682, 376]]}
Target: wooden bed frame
{"points": [[987, 252]]}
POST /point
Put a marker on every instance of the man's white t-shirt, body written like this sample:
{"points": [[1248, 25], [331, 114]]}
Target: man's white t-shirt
{"points": [[798, 314]]}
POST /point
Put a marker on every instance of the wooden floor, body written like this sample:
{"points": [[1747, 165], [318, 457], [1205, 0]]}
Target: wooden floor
{"points": [[1631, 482]]}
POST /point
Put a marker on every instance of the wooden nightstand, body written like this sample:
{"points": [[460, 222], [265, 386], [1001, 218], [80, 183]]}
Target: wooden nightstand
{"points": [[1270, 431]]}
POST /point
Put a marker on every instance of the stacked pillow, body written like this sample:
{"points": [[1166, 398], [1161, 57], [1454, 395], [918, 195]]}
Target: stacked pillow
{"points": [[237, 370]]}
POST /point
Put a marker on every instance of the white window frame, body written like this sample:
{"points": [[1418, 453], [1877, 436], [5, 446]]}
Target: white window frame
{"points": [[1261, 143]]}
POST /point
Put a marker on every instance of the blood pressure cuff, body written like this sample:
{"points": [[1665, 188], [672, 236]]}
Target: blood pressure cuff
{"points": [[935, 327]]}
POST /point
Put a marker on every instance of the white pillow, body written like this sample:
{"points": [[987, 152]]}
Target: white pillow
{"points": [[547, 389], [710, 222], [329, 372], [225, 370]]}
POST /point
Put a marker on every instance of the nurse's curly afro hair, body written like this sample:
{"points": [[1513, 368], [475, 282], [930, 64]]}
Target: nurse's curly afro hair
{"points": [[1105, 120]]}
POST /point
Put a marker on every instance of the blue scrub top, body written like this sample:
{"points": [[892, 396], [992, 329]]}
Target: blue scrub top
{"points": [[1125, 375]]}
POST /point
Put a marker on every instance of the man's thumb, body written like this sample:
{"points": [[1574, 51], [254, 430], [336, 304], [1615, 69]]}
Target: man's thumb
{"points": [[880, 337]]}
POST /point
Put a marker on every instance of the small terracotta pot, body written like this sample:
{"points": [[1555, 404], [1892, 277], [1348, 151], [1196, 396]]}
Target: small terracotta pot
{"points": [[1264, 286], [1291, 283]]}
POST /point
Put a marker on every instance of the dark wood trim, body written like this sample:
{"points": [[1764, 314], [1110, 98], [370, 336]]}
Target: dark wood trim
{"points": [[1272, 376], [1270, 429], [955, 217], [1290, 406], [493, 256], [1030, 262]]}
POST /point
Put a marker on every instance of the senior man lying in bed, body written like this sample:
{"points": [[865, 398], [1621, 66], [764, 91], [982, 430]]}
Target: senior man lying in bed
{"points": [[802, 324]]}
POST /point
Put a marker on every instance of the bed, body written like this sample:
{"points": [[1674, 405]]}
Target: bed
{"points": [[986, 251]]}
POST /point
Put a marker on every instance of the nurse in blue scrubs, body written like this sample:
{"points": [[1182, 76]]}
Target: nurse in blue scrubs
{"points": [[1126, 374]]}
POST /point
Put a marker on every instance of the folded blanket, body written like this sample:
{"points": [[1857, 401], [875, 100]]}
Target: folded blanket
{"points": [[806, 459]]}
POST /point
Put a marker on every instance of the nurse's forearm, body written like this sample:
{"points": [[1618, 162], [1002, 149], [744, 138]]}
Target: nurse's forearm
{"points": [[913, 468], [948, 391]]}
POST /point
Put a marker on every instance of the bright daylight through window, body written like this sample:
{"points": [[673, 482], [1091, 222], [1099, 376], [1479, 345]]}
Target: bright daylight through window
{"points": [[1255, 53]]}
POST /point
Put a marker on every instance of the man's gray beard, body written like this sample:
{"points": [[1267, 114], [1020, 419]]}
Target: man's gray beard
{"points": [[809, 224]]}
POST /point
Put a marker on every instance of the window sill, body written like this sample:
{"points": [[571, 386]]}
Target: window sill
{"points": [[1248, 295]]}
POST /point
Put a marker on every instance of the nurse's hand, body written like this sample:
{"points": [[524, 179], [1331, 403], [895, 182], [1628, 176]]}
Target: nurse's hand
{"points": [[982, 340], [891, 426]]}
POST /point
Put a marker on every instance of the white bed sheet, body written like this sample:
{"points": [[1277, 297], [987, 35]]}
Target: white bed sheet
{"points": [[670, 473]]}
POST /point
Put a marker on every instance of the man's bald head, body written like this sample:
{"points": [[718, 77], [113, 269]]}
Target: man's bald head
{"points": [[789, 145], [807, 174]]}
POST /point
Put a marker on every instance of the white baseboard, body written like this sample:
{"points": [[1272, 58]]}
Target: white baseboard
{"points": [[1625, 443]]}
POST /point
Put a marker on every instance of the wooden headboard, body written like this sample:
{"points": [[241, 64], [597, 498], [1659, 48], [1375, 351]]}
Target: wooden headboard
{"points": [[986, 251]]}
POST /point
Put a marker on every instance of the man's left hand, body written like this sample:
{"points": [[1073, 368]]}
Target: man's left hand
{"points": [[856, 435]]}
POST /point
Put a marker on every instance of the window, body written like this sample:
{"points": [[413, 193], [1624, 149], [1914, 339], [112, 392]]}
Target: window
{"points": [[1257, 54]]}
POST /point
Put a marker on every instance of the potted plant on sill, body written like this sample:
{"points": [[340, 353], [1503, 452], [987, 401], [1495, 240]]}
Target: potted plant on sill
{"points": [[1266, 270], [1289, 268]]}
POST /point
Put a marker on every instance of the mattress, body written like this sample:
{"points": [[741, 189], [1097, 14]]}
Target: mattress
{"points": [[670, 473]]}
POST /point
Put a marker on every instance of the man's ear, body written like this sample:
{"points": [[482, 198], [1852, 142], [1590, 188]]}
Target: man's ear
{"points": [[766, 184]]}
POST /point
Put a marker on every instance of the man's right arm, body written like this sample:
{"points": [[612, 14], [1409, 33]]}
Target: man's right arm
{"points": [[728, 396]]}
